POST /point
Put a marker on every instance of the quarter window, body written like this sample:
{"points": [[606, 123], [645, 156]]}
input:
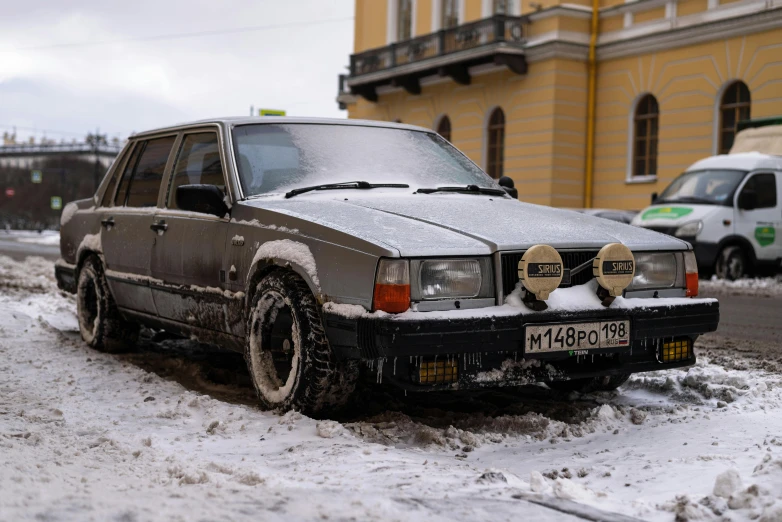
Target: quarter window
{"points": [[108, 196], [444, 128], [765, 187], [198, 163], [734, 107], [496, 149], [646, 121], [449, 15], [145, 183], [122, 192], [404, 20]]}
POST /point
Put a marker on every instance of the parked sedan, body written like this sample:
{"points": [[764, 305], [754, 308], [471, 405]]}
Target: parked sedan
{"points": [[317, 247]]}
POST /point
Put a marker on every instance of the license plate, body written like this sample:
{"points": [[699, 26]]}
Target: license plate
{"points": [[575, 337]]}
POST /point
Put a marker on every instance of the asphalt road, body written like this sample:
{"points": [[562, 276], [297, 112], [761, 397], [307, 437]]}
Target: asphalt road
{"points": [[741, 317]]}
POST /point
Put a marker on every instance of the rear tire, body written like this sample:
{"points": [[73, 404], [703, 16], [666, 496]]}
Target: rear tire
{"points": [[287, 352], [100, 323], [590, 384], [732, 263]]}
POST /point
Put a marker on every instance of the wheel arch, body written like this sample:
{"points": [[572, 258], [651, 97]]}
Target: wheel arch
{"points": [[740, 241]]}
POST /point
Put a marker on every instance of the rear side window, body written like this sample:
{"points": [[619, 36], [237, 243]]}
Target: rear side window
{"points": [[122, 192], [765, 186], [198, 163], [148, 174]]}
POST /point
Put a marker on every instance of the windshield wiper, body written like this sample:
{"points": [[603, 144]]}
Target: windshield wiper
{"points": [[344, 185], [467, 188], [687, 199]]}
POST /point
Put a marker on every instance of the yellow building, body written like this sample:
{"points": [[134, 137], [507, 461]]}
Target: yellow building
{"points": [[508, 82]]}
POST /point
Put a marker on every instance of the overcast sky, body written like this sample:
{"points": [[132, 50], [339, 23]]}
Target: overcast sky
{"points": [[71, 66]]}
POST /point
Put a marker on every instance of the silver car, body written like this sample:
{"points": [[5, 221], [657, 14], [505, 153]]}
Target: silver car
{"points": [[319, 248]]}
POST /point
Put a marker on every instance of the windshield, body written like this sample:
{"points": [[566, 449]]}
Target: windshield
{"points": [[275, 158], [712, 187]]}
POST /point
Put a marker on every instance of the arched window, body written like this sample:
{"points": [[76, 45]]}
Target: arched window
{"points": [[646, 122], [444, 128], [734, 107], [496, 149]]}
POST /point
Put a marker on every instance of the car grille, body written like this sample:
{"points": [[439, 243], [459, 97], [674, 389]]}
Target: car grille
{"points": [[510, 268]]}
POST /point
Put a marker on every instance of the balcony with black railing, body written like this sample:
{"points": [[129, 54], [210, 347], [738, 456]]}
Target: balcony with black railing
{"points": [[448, 52]]}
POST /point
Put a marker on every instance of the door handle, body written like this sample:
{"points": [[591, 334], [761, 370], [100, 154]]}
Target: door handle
{"points": [[108, 223], [159, 226]]}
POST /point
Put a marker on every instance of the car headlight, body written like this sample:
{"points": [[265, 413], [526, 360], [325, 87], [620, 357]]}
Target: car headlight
{"points": [[450, 278], [691, 229], [655, 270]]}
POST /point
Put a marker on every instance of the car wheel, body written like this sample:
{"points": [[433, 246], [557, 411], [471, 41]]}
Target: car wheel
{"points": [[590, 384], [287, 352], [731, 263], [100, 323]]}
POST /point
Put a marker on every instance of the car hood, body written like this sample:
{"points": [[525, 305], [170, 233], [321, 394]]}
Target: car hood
{"points": [[674, 215], [460, 224]]}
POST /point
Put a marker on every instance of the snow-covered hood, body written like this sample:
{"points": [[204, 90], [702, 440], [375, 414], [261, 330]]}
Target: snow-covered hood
{"points": [[674, 215], [423, 224]]}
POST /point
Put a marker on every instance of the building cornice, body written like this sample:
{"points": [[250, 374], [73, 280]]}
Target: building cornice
{"points": [[680, 33], [557, 49]]}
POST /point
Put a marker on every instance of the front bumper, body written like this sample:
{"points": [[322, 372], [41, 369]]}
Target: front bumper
{"points": [[485, 344]]}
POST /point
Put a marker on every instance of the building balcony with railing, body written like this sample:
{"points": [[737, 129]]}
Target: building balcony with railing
{"points": [[451, 52]]}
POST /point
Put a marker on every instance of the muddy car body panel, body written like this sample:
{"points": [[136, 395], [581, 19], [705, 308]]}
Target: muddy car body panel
{"points": [[195, 272]]}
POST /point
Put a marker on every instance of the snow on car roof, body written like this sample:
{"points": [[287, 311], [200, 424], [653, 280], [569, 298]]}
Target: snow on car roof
{"points": [[247, 120], [740, 161]]}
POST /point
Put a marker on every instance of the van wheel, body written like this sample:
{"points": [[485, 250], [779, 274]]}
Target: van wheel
{"points": [[287, 352], [590, 384], [732, 263], [100, 323]]}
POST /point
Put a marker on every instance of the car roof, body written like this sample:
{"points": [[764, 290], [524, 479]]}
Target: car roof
{"points": [[246, 120], [739, 161]]}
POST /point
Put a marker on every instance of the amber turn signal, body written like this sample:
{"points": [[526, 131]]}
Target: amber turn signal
{"points": [[691, 274], [392, 286]]}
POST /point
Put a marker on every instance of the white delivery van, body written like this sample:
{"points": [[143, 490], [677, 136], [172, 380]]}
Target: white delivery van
{"points": [[728, 206]]}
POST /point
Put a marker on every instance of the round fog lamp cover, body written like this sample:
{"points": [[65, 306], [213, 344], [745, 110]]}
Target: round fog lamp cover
{"points": [[614, 268], [540, 270]]}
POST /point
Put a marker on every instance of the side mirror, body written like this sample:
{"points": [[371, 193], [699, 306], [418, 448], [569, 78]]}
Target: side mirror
{"points": [[507, 183], [206, 199], [654, 197], [748, 200]]}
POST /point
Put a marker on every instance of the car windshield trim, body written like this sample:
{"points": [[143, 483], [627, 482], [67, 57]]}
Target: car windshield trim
{"points": [[279, 158]]}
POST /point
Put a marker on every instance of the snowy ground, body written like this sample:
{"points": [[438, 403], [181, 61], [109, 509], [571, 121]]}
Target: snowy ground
{"points": [[754, 286], [171, 432]]}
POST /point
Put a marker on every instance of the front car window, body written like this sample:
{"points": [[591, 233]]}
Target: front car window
{"points": [[198, 163], [712, 187], [275, 158], [765, 188]]}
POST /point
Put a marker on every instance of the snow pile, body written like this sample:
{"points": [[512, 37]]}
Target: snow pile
{"points": [[290, 251], [759, 287], [712, 385], [36, 275]]}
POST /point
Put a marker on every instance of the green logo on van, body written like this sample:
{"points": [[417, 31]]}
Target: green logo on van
{"points": [[765, 235], [666, 213]]}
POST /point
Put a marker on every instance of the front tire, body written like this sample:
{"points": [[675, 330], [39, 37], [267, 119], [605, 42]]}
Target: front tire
{"points": [[287, 352], [732, 263], [100, 323]]}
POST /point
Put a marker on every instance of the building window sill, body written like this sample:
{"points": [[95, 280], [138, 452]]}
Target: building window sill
{"points": [[641, 179]]}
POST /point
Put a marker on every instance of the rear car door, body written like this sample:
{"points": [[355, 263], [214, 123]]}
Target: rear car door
{"points": [[126, 237], [762, 224], [188, 256]]}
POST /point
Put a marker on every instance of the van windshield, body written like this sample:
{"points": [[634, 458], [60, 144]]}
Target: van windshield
{"points": [[276, 158], [710, 187]]}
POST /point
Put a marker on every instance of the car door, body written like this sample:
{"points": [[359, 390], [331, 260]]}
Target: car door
{"points": [[126, 237], [762, 224], [188, 255]]}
